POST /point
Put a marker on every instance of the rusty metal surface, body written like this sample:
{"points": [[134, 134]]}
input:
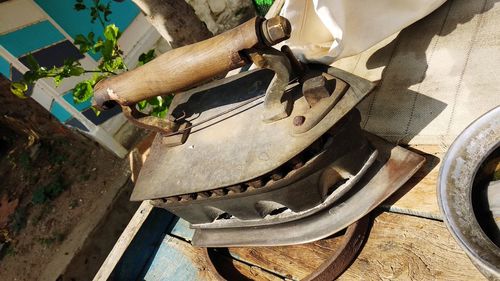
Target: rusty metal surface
{"points": [[345, 254], [456, 189], [330, 269], [218, 154], [320, 99], [276, 103], [394, 166], [310, 182]]}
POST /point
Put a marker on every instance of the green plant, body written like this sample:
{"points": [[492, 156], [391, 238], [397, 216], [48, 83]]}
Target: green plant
{"points": [[111, 62], [262, 6], [49, 191]]}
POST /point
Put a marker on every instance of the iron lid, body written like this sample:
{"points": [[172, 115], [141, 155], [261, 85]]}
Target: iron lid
{"points": [[236, 145]]}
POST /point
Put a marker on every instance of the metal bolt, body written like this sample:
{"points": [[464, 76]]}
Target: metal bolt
{"points": [[316, 88], [276, 29], [298, 120]]}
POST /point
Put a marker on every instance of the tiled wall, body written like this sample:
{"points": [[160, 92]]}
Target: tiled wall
{"points": [[45, 29]]}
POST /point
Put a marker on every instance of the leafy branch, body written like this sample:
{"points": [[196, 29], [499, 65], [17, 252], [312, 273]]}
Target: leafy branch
{"points": [[111, 63]]}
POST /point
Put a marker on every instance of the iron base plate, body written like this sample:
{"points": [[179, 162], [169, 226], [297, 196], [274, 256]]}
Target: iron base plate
{"points": [[394, 166]]}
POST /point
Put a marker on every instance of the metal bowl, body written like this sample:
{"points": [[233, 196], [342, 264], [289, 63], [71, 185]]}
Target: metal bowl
{"points": [[457, 191]]}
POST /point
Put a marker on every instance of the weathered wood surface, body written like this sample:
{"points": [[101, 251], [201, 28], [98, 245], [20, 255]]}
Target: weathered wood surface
{"points": [[124, 241], [178, 260], [399, 247], [402, 247], [293, 262]]}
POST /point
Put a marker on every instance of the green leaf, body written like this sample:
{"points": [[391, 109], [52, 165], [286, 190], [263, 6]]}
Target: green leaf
{"points": [[111, 32], [90, 37], [98, 45], [146, 57], [30, 76], [94, 14], [142, 104], [19, 89], [76, 71], [32, 63], [83, 91], [107, 11], [83, 43], [108, 49], [96, 111], [79, 6], [154, 101]]}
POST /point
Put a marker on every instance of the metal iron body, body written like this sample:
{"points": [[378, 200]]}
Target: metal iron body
{"points": [[266, 162]]}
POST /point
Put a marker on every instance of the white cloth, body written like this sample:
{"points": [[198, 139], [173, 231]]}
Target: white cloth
{"points": [[327, 30]]}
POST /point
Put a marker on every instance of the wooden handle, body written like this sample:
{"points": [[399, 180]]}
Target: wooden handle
{"points": [[183, 68]]}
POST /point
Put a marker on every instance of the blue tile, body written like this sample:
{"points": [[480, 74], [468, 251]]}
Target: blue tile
{"points": [[31, 38], [5, 68], [103, 116], [80, 106], [77, 124], [78, 22], [59, 112], [55, 55]]}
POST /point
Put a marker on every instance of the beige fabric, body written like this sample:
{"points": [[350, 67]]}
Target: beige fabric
{"points": [[440, 74], [327, 30]]}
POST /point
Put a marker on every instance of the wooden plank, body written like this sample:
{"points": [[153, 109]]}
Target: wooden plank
{"points": [[178, 260], [181, 229], [399, 247], [294, 262], [124, 241], [137, 244], [418, 195], [402, 247]]}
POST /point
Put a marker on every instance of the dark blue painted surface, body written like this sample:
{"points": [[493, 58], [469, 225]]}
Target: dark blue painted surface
{"points": [[74, 22], [144, 246], [31, 38], [77, 124], [54, 55], [103, 116]]}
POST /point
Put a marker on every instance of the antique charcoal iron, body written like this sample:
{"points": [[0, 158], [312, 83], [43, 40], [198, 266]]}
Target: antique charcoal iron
{"points": [[270, 156]]}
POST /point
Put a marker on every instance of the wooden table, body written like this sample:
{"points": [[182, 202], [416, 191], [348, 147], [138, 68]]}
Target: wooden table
{"points": [[407, 241]]}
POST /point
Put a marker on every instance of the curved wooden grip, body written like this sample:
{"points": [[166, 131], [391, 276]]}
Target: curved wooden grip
{"points": [[182, 68]]}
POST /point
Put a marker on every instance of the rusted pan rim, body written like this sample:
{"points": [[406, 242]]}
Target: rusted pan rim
{"points": [[331, 268], [456, 177]]}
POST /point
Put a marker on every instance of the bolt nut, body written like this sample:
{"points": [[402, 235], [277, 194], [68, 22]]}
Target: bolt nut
{"points": [[316, 88], [276, 29]]}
